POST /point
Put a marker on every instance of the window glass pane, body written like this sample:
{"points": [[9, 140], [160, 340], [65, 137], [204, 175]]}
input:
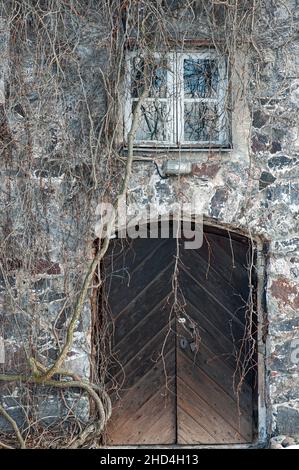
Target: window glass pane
{"points": [[201, 77], [155, 74], [155, 120], [201, 122]]}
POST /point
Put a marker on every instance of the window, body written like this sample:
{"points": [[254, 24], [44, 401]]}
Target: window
{"points": [[185, 103]]}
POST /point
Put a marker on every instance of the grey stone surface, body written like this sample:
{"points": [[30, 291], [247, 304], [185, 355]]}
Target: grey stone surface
{"points": [[288, 420], [266, 178], [252, 188]]}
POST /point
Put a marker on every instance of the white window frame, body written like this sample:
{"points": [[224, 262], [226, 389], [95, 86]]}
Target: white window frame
{"points": [[175, 99], [170, 91]]}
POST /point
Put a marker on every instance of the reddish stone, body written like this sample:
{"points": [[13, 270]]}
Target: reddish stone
{"points": [[11, 264], [205, 169], [286, 292], [258, 144], [42, 266]]}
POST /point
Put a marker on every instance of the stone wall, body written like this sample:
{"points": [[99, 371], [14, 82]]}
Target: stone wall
{"points": [[253, 188]]}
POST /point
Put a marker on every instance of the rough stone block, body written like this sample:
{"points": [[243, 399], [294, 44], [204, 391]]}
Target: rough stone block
{"points": [[287, 420]]}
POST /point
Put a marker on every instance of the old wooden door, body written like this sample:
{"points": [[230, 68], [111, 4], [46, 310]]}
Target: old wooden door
{"points": [[174, 372]]}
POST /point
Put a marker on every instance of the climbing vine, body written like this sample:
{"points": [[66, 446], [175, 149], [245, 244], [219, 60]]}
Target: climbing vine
{"points": [[61, 136]]}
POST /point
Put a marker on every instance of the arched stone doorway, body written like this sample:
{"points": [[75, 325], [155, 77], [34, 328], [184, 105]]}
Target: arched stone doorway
{"points": [[184, 362]]}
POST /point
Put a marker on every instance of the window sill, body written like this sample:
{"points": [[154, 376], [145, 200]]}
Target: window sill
{"points": [[165, 151]]}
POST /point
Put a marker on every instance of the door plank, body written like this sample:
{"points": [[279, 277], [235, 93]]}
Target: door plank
{"points": [[135, 311], [214, 395], [142, 363], [214, 286], [190, 431], [137, 428], [219, 344], [216, 368], [131, 399], [142, 379], [205, 416], [208, 306], [125, 285], [149, 327], [216, 254]]}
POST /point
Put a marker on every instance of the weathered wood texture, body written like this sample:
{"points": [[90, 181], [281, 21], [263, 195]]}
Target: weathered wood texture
{"points": [[176, 381]]}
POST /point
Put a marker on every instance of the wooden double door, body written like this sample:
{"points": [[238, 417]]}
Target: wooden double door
{"points": [[179, 346]]}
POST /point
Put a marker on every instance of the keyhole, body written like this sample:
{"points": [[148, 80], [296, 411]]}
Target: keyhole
{"points": [[183, 343]]}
